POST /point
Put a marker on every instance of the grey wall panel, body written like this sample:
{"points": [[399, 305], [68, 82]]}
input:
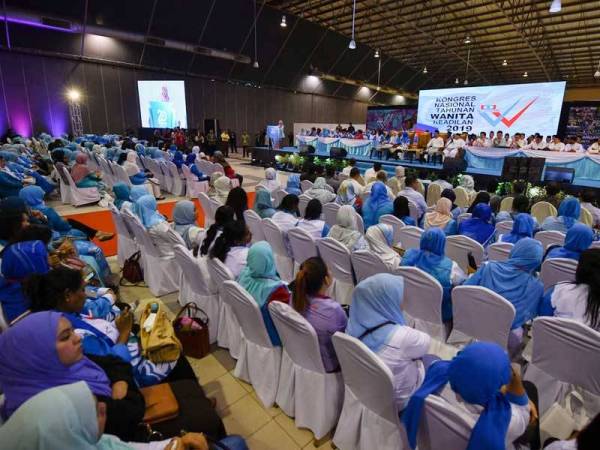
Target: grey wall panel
{"points": [[113, 104]]}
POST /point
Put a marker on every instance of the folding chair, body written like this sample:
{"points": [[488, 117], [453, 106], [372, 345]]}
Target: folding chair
{"points": [[458, 249], [337, 258], [555, 270]]}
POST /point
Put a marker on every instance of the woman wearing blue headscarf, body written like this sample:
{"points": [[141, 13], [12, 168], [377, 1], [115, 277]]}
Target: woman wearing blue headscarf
{"points": [[472, 381], [523, 227], [514, 279], [262, 282], [190, 161], [579, 238], [376, 319], [178, 158], [184, 222], [377, 205], [568, 215], [122, 195], [478, 227], [346, 195], [263, 204], [162, 235], [18, 262], [293, 185], [431, 259]]}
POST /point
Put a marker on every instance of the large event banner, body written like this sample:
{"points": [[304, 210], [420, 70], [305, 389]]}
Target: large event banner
{"points": [[514, 108]]}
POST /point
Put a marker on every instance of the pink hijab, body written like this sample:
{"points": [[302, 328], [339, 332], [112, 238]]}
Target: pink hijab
{"points": [[80, 169]]}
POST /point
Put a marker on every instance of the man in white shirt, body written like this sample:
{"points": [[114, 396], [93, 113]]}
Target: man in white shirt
{"points": [[435, 146], [518, 141], [500, 141], [411, 184], [346, 170], [481, 140], [453, 146], [556, 145], [594, 149], [490, 140], [372, 172], [537, 144], [573, 146]]}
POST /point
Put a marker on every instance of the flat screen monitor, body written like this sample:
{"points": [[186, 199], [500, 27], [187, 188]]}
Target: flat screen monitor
{"points": [[162, 103], [559, 174], [514, 108]]}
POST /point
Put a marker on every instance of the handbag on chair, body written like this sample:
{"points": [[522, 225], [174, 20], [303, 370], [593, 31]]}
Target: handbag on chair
{"points": [[192, 330]]}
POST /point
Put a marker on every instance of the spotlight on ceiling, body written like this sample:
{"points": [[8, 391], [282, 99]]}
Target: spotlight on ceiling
{"points": [[425, 69], [283, 23], [525, 74], [73, 95], [255, 64], [376, 55], [555, 6], [467, 40], [352, 44], [456, 81], [504, 62]]}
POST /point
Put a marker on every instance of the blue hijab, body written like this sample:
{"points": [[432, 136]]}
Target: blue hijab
{"points": [[184, 216], [178, 159], [569, 210], [146, 211], [514, 279], [478, 227], [138, 192], [375, 301], [377, 205], [522, 227], [579, 238], [190, 159], [431, 259], [476, 373], [33, 196], [263, 205], [122, 194], [293, 185], [18, 262]]}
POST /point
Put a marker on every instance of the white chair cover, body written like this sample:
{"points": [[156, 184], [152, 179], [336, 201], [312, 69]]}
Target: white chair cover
{"points": [[414, 211], [195, 287], [80, 196], [167, 179], [306, 391], [462, 197], [154, 167], [65, 189], [303, 201], [542, 210], [565, 352], [303, 246], [161, 273], [178, 181], [259, 361], [499, 251], [209, 216], [228, 332], [586, 217], [423, 302], [366, 264], [108, 176], [330, 211], [555, 270], [548, 238], [360, 224], [480, 314], [126, 245], [278, 195], [410, 237], [443, 426], [462, 217], [504, 227], [434, 192], [459, 247], [255, 226], [369, 418], [305, 185], [395, 223], [193, 187], [337, 259], [120, 173], [276, 238], [506, 204]]}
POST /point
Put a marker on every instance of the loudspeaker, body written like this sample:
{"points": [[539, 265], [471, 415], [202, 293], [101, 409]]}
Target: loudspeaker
{"points": [[338, 152], [212, 124], [306, 150], [454, 165]]}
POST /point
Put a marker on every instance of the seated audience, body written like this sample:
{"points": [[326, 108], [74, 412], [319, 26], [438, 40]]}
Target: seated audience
{"points": [[442, 180], [569, 211], [324, 314], [451, 195], [312, 223], [346, 194], [357, 180], [376, 319], [263, 206], [262, 282], [481, 197], [184, 223], [351, 164], [468, 184], [523, 227], [321, 191], [287, 213], [481, 385], [345, 231], [430, 258], [231, 247], [515, 280], [270, 182], [237, 199], [588, 198], [441, 217], [520, 205], [122, 194], [221, 187], [138, 176], [331, 178], [83, 176], [402, 211], [218, 158], [159, 230], [410, 192], [371, 172], [396, 183], [293, 185], [380, 238], [190, 161], [14, 216], [478, 227], [223, 215], [578, 238], [377, 205], [578, 300]]}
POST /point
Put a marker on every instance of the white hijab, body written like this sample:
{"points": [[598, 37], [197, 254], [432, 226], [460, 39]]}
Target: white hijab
{"points": [[345, 230], [130, 164], [380, 240]]}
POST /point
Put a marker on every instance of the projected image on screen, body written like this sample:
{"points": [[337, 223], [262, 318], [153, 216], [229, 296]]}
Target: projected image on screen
{"points": [[584, 121], [515, 108], [162, 104], [391, 118]]}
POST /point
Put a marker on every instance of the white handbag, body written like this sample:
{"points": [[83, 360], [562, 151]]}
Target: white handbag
{"points": [[560, 421]]}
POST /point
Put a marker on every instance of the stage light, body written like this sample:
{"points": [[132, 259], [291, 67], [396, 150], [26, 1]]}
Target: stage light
{"points": [[555, 6], [283, 23], [376, 55], [255, 64], [312, 81], [467, 40], [425, 69], [352, 44], [73, 95], [525, 74], [504, 62]]}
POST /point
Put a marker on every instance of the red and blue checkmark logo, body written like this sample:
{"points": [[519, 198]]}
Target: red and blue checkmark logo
{"points": [[496, 116]]}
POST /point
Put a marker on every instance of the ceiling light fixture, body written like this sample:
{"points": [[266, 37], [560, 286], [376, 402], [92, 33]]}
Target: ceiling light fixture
{"points": [[525, 74], [352, 44], [425, 69], [283, 23], [255, 64], [376, 55], [467, 40], [597, 73], [467, 69], [504, 62], [555, 6]]}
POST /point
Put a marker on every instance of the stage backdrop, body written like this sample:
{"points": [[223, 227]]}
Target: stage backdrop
{"points": [[581, 119], [526, 108], [391, 117]]}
